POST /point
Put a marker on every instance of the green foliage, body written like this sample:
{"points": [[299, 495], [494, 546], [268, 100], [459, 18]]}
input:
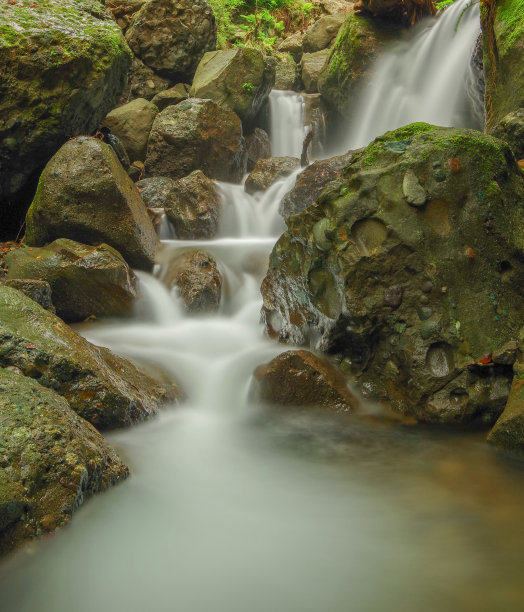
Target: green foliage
{"points": [[248, 86], [440, 5]]}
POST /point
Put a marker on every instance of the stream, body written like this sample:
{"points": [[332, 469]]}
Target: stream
{"points": [[231, 508]]}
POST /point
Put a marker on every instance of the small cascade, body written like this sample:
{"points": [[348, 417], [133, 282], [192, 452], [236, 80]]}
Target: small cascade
{"points": [[287, 129], [425, 79]]}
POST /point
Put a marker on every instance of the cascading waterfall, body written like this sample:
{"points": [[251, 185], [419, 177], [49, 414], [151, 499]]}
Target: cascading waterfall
{"points": [[427, 79], [232, 508], [287, 129]]}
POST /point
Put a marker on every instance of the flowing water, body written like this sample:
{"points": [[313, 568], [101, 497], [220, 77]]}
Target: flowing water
{"points": [[430, 78], [232, 507]]}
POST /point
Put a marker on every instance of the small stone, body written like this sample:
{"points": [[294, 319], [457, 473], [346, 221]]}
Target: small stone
{"points": [[424, 299], [393, 296], [427, 287], [424, 312], [507, 355], [414, 193], [436, 164], [454, 164], [151, 84], [444, 289], [439, 176], [429, 329]]}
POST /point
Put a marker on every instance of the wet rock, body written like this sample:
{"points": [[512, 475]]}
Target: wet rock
{"points": [[51, 460], [511, 130], [330, 272], [105, 135], [287, 75], [311, 66], [268, 171], [142, 82], [63, 66], [292, 45], [503, 34], [317, 115], [197, 280], [258, 146], [85, 280], [38, 290], [310, 183], [322, 33], [171, 96], [131, 123], [194, 207], [237, 79], [393, 296], [171, 36], [156, 191], [197, 135], [358, 44], [413, 191], [104, 389], [303, 380], [508, 431], [84, 194]]}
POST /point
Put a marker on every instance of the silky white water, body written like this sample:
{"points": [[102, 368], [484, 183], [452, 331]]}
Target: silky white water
{"points": [[426, 79], [287, 130], [232, 507]]}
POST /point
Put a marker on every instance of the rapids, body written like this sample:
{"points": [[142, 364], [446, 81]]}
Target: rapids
{"points": [[232, 508]]}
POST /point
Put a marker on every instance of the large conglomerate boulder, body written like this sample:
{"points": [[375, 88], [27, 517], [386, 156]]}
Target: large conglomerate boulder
{"points": [[503, 33], [358, 44], [104, 389], [85, 194], [409, 267], [85, 280], [63, 66], [237, 79], [171, 36], [51, 460], [197, 135]]}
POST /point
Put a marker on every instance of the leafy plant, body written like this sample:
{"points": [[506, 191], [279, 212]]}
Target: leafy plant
{"points": [[248, 87]]}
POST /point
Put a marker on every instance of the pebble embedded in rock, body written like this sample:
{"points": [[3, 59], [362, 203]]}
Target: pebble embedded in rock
{"points": [[414, 193]]}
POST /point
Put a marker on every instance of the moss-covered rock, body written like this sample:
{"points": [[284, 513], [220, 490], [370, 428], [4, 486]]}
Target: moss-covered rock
{"points": [[51, 460], [85, 194], [85, 280], [503, 30], [197, 135], [63, 66], [411, 293], [358, 43], [106, 390]]}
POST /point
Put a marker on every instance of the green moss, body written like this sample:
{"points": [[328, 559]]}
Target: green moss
{"points": [[511, 13]]}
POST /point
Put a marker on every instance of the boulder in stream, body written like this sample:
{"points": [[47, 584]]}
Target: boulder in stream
{"points": [[196, 277], [301, 379], [258, 146], [197, 135], [267, 171], [106, 390], [413, 296], [85, 194], [85, 280], [311, 66], [51, 460]]}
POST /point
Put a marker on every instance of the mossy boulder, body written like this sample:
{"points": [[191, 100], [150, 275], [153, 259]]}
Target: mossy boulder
{"points": [[409, 268], [511, 130], [85, 280], [197, 135], [301, 379], [104, 389], [171, 36], [51, 460], [358, 44], [63, 66], [267, 171], [237, 79], [503, 31], [84, 194], [38, 290]]}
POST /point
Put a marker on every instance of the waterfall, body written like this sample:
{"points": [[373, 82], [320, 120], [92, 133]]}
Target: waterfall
{"points": [[425, 79], [287, 129]]}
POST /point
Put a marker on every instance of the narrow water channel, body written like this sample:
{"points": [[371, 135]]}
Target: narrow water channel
{"points": [[234, 509]]}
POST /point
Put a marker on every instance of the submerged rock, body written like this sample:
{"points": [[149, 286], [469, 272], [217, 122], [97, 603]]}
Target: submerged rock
{"points": [[85, 194], [63, 66], [197, 135], [131, 123], [310, 183], [171, 36], [85, 280], [193, 207], [301, 379], [197, 280], [268, 171], [51, 460], [410, 296], [104, 389], [237, 79]]}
